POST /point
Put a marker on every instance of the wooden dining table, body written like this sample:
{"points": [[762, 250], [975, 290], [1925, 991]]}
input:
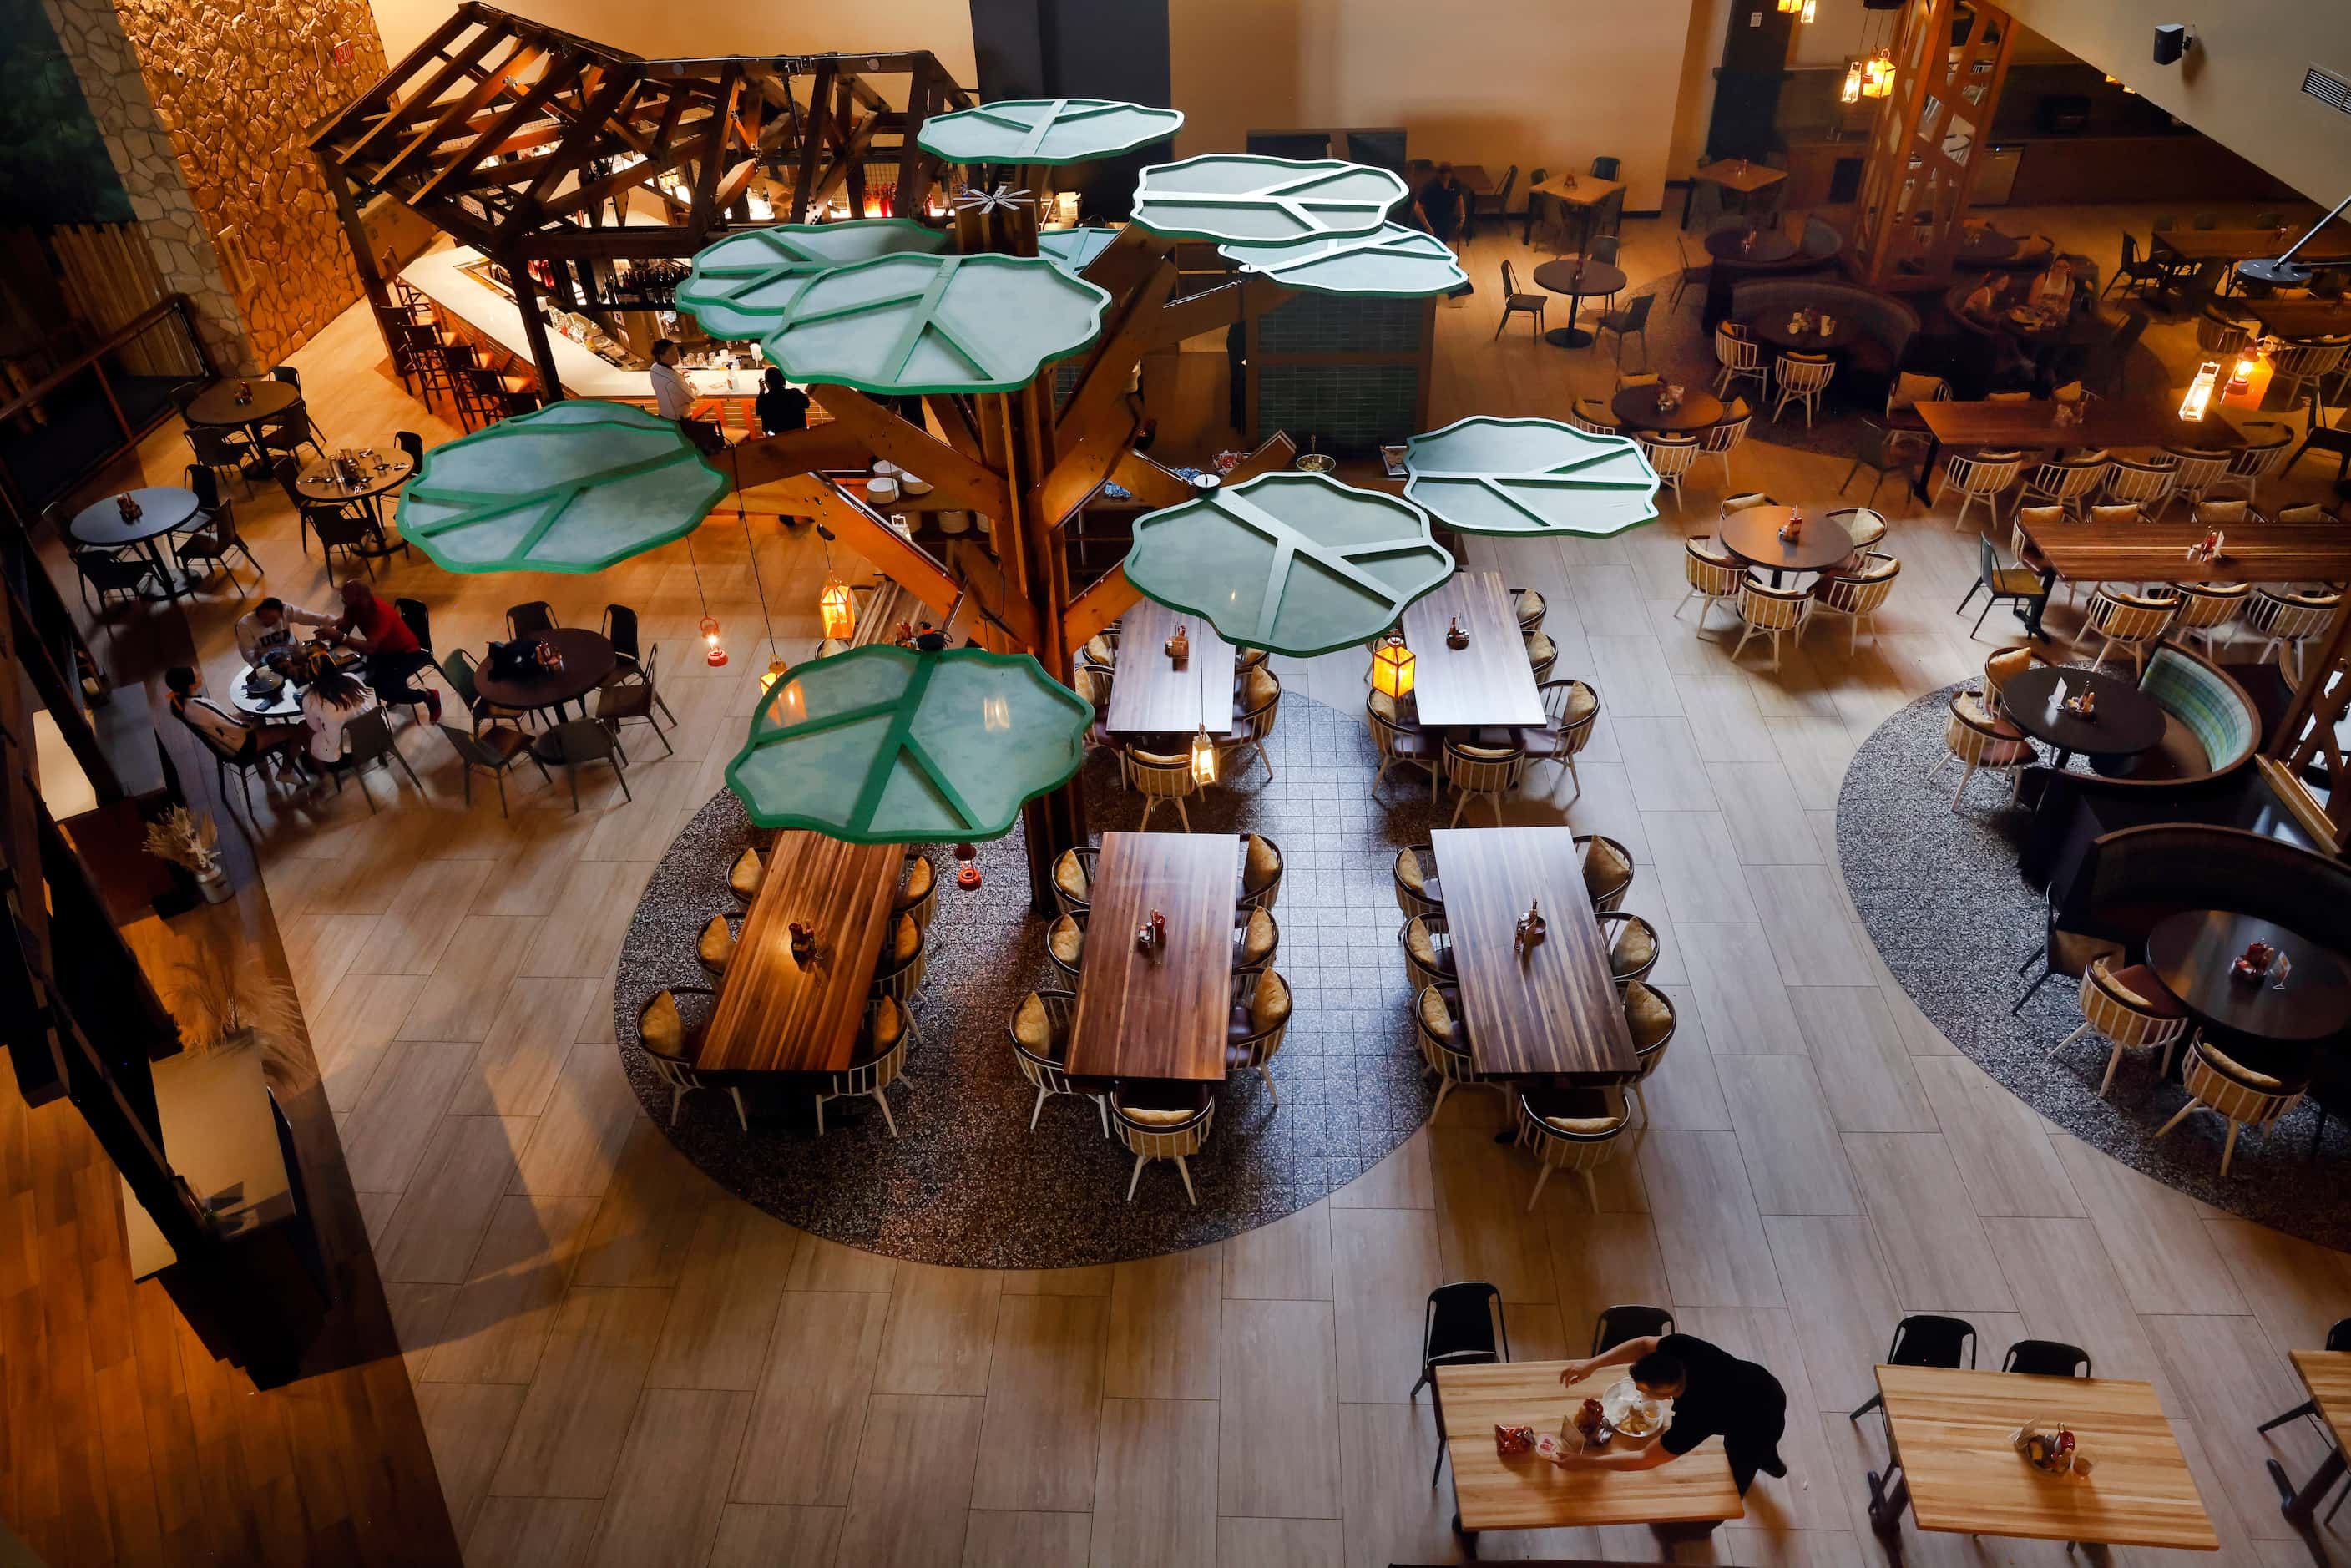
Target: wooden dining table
{"points": [[1152, 693], [2331, 244], [1949, 1428], [2326, 1374], [776, 1014], [2106, 423], [1525, 1491], [2143, 551], [1487, 683], [2298, 318], [1552, 1009], [1161, 1011]]}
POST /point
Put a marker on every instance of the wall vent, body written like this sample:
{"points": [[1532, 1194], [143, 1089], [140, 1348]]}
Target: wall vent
{"points": [[2327, 88]]}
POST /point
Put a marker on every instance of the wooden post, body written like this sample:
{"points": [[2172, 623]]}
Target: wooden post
{"points": [[534, 329], [1907, 223], [373, 282]]}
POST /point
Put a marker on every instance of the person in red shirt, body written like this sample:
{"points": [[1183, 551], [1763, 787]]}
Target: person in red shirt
{"points": [[393, 655]]}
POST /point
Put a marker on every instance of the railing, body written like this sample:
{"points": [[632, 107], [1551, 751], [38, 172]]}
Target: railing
{"points": [[80, 416]]}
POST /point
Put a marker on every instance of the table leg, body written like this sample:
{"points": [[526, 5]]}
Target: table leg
{"points": [[2301, 1507], [1569, 336], [1887, 1502], [170, 581], [1468, 1538], [1926, 469]]}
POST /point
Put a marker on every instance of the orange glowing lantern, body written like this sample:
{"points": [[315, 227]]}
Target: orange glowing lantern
{"points": [[1392, 669], [775, 673], [836, 610], [716, 655], [1204, 759]]}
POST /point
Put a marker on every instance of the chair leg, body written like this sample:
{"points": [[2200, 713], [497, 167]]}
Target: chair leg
{"points": [[1542, 1177], [2070, 1039], [2307, 1407], [820, 1115], [2229, 1146], [1038, 1109], [1192, 1197], [2036, 985], [1590, 1190], [887, 1120], [2177, 1117], [1101, 1104], [742, 1118], [2114, 1060], [1865, 1406], [1140, 1160]]}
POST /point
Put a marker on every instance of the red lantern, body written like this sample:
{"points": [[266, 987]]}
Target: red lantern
{"points": [[717, 655]]}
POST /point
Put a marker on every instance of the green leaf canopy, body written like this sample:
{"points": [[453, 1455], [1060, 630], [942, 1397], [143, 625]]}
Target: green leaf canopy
{"points": [[1395, 262], [1045, 130], [1072, 249], [739, 285], [933, 323], [576, 487], [1235, 199], [883, 745], [1290, 563], [1484, 474]]}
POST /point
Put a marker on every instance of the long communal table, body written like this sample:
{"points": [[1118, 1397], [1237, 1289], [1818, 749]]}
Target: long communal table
{"points": [[776, 1014], [1159, 1013], [2141, 551]]}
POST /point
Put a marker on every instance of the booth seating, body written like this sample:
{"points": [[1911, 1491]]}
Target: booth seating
{"points": [[1888, 323], [2210, 724]]}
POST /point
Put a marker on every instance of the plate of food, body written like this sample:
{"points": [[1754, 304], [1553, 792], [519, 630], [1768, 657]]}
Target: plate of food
{"points": [[1634, 1414]]}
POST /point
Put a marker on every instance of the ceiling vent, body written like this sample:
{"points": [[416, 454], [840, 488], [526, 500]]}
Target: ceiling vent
{"points": [[2327, 88]]}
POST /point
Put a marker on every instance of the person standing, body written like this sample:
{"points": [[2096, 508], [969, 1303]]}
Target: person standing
{"points": [[673, 394], [780, 405], [1444, 202], [1714, 1395], [395, 656]]}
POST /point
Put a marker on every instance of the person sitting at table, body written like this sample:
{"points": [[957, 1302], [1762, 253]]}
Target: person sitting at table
{"points": [[1714, 1395], [372, 627], [780, 405], [233, 733], [1442, 203], [1982, 305], [334, 699], [270, 624]]}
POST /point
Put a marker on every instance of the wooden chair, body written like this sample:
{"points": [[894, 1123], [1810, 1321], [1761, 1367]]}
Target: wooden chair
{"points": [[672, 1046], [1444, 1045], [1399, 741], [1065, 947], [880, 1056], [1570, 1129], [2241, 1096], [1771, 613], [2068, 483], [2263, 457], [1256, 936], [1591, 414], [1261, 865], [2289, 619], [1857, 596], [2193, 474], [900, 974], [2146, 485], [1260, 1020], [1541, 655], [1671, 457], [1723, 437], [1740, 359], [1571, 713], [2303, 366], [2127, 622], [917, 898], [1411, 876], [1801, 378], [1040, 1030], [1983, 744], [2004, 666], [2208, 609], [1428, 950], [1981, 477], [2130, 1009], [1527, 604], [1714, 578], [1492, 772], [1607, 871], [1632, 943], [1516, 302], [713, 947], [1648, 1013], [1073, 875], [1261, 692], [1161, 779], [1162, 1120]]}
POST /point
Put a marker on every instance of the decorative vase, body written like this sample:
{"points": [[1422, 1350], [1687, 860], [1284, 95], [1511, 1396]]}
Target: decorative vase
{"points": [[214, 884]]}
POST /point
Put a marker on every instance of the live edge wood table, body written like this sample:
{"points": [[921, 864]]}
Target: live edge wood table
{"points": [[1525, 1492], [2327, 1374], [2092, 551], [1949, 1429], [2106, 422], [1487, 683], [776, 1014], [1552, 1010], [1150, 693], [1161, 1013]]}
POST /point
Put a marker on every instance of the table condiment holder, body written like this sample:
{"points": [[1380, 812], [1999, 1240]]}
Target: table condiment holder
{"points": [[244, 393], [1455, 637], [1179, 646], [128, 504], [1532, 928], [2252, 965], [1793, 531], [803, 943], [2084, 707], [2050, 1447]]}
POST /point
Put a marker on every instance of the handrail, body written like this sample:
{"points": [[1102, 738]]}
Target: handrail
{"points": [[169, 304]]}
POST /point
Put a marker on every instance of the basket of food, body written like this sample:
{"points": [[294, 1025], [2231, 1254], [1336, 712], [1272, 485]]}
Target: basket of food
{"points": [[1634, 1414]]}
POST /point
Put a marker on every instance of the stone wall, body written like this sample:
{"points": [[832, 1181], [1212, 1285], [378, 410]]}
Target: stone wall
{"points": [[207, 110]]}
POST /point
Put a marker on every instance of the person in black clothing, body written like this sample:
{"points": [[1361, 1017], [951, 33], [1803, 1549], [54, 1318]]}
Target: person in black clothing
{"points": [[1714, 1395], [780, 405], [1443, 202]]}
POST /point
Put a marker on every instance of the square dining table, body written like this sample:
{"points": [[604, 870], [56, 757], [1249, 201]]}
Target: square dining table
{"points": [[1153, 693], [777, 1014], [1552, 1009], [1523, 1491], [1489, 683], [1159, 1012], [1950, 1430]]}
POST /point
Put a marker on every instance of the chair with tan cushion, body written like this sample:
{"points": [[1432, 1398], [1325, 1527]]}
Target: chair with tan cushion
{"points": [[1492, 772], [714, 948], [1444, 1043], [1040, 1049], [1428, 950], [1981, 477], [2223, 514], [1649, 1015], [2146, 485], [1541, 653], [672, 1044], [1259, 702], [1982, 743], [1074, 879], [2132, 1008], [1769, 611], [1162, 1121], [2309, 512], [1261, 1018], [1570, 712], [2126, 621], [1256, 936], [880, 1057], [1732, 505], [2287, 621], [1414, 870], [1856, 594], [918, 895], [1570, 1129], [1100, 651], [1401, 742], [2067, 483], [1159, 778], [2268, 445], [1065, 945], [1632, 943], [1670, 458], [1260, 873], [1529, 606], [1594, 415], [2243, 1097], [1607, 871], [2194, 473], [744, 876], [1741, 359], [906, 960], [1865, 525], [1713, 576], [1725, 436], [2003, 668], [2207, 609]]}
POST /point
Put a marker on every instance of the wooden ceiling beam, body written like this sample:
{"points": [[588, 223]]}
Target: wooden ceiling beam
{"points": [[463, 107], [495, 138], [379, 95], [425, 97]]}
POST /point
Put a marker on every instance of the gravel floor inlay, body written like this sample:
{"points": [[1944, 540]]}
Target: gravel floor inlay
{"points": [[1939, 894], [966, 1183]]}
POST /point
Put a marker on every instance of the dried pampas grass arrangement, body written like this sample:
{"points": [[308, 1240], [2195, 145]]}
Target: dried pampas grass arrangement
{"points": [[186, 840], [222, 994]]}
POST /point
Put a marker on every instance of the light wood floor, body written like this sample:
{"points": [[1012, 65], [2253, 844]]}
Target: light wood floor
{"points": [[618, 1363]]}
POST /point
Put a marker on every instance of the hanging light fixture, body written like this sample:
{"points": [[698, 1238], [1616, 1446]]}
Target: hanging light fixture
{"points": [[1878, 76], [1392, 668], [1790, 7], [716, 655], [1204, 759], [1811, 9], [835, 608], [1852, 92]]}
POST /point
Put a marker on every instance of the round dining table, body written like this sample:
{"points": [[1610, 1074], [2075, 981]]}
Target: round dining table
{"points": [[1636, 409], [161, 510], [217, 406], [1771, 327], [588, 659], [1752, 535], [2124, 722], [2194, 953], [379, 473], [282, 701], [1580, 278], [1756, 247], [1984, 248]]}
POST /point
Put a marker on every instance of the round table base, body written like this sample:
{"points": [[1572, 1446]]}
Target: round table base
{"points": [[167, 583], [1568, 338]]}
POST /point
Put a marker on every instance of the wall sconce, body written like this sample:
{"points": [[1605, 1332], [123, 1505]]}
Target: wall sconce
{"points": [[1392, 669], [836, 610]]}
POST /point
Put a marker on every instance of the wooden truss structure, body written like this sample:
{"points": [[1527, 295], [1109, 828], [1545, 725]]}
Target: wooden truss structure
{"points": [[535, 146], [1951, 60], [2308, 760]]}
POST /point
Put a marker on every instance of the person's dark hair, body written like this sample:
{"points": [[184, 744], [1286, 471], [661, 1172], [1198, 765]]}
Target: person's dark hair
{"points": [[775, 379], [273, 605], [662, 344], [1659, 1370], [180, 679], [337, 688]]}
